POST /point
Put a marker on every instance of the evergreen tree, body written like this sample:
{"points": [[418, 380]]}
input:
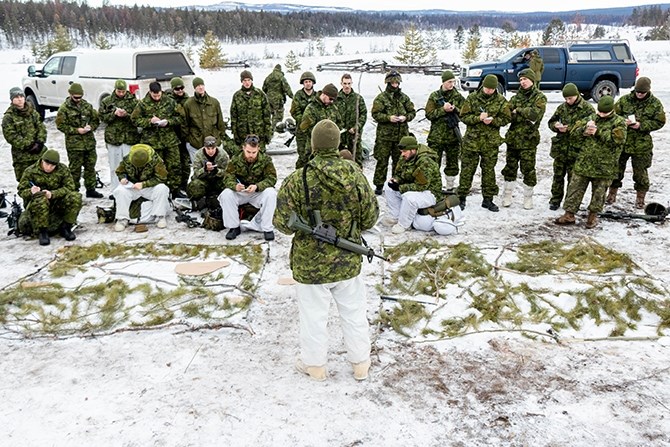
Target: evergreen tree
{"points": [[320, 47], [291, 63], [60, 42], [598, 33], [211, 55], [101, 42], [415, 50], [459, 37], [338, 49], [473, 45], [554, 32]]}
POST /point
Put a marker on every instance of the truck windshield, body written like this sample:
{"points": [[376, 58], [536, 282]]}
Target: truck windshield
{"points": [[508, 56]]}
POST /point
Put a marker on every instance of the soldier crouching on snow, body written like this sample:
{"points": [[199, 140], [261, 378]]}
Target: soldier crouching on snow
{"points": [[209, 169], [51, 200]]}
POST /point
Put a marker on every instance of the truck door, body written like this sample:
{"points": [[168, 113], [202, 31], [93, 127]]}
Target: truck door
{"points": [[553, 76], [57, 77]]}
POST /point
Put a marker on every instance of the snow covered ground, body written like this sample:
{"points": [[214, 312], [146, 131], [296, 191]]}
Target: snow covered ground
{"points": [[171, 387]]}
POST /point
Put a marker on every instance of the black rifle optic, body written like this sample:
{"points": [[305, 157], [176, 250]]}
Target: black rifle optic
{"points": [[326, 233], [653, 212], [183, 216]]}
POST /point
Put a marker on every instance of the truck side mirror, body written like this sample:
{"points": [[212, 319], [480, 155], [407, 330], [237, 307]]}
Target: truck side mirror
{"points": [[517, 60], [31, 70]]}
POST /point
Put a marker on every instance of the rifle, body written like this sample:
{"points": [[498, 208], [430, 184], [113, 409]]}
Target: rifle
{"points": [[654, 218], [452, 119], [291, 127], [13, 219], [326, 233], [183, 216]]}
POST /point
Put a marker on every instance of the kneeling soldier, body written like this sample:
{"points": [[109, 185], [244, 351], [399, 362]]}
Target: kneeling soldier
{"points": [[50, 198], [209, 168]]}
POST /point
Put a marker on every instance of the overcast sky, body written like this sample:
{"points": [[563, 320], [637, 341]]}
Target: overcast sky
{"points": [[472, 5]]}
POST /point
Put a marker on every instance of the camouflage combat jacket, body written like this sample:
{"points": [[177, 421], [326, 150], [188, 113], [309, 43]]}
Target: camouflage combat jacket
{"points": [[442, 132], [203, 117], [151, 174], [165, 108], [276, 87], [561, 143], [341, 192], [299, 104], [419, 173], [179, 99], [59, 181], [315, 112], [346, 104], [72, 116], [21, 128], [479, 135], [220, 159], [527, 107], [387, 104], [250, 115], [119, 130], [599, 154], [649, 113], [261, 172]]}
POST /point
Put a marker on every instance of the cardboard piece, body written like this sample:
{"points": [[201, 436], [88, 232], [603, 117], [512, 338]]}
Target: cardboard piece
{"points": [[196, 268]]}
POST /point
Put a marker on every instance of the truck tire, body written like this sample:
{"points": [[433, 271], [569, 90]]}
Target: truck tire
{"points": [[604, 88], [500, 88], [33, 101]]}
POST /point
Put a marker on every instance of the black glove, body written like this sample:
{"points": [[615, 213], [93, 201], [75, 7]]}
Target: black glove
{"points": [[394, 186], [36, 147]]}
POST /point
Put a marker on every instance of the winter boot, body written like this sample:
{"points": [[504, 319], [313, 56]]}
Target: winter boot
{"points": [[378, 190], [451, 180], [639, 200], [361, 370], [527, 197], [566, 219], [461, 202], [66, 231], [592, 220], [507, 193], [489, 205], [44, 237], [317, 373], [611, 196], [93, 194]]}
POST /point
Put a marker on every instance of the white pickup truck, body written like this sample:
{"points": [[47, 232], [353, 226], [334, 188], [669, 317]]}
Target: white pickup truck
{"points": [[97, 70]]}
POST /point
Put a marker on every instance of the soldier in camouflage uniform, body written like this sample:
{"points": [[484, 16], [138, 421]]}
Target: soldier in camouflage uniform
{"points": [[209, 168], [536, 64], [442, 109], [159, 116], [250, 178], [177, 92], [120, 133], [25, 132], [485, 111], [250, 113], [644, 114], [354, 115], [303, 97], [393, 110], [339, 190], [141, 174], [527, 107], [322, 107], [203, 117], [51, 200], [563, 150], [601, 138], [277, 89], [416, 183], [77, 119]]}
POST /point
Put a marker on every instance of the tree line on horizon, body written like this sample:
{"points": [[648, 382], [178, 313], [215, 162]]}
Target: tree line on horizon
{"points": [[30, 22]]}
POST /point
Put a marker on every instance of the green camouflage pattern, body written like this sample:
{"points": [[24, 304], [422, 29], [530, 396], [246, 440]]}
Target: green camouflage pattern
{"points": [[563, 150], [576, 189], [40, 212], [119, 130], [354, 114], [441, 138], [184, 156], [537, 65], [203, 117], [250, 115], [386, 104], [277, 89], [481, 142], [527, 108], [208, 183], [341, 192], [261, 172], [298, 106], [72, 116], [419, 173], [315, 111], [599, 154], [151, 174], [21, 129], [164, 140], [639, 146]]}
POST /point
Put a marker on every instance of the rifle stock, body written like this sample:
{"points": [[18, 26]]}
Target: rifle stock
{"points": [[624, 216]]}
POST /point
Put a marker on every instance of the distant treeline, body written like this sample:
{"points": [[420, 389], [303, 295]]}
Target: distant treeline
{"points": [[26, 22]]}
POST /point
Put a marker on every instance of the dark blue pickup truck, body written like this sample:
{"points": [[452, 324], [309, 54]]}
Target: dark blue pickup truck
{"points": [[597, 68]]}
